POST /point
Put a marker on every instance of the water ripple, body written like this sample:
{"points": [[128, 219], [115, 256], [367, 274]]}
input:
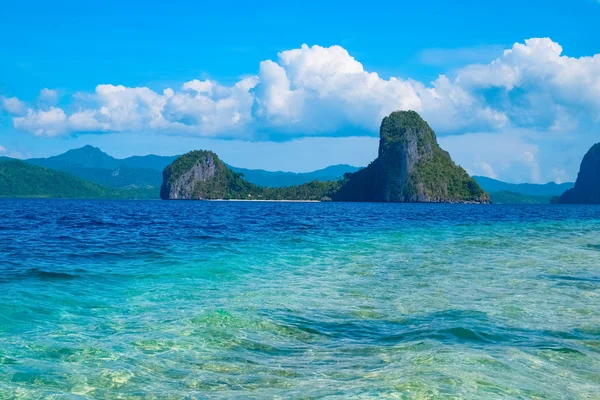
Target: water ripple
{"points": [[123, 299]]}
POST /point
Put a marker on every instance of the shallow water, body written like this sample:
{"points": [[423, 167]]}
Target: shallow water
{"points": [[194, 300]]}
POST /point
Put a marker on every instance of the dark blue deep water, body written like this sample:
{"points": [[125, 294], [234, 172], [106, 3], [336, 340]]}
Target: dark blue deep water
{"points": [[194, 300]]}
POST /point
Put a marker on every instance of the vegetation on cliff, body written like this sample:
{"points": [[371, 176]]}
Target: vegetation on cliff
{"points": [[202, 175], [439, 179], [410, 167], [315, 190]]}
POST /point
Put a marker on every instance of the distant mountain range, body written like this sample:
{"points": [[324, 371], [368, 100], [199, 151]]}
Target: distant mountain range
{"points": [[92, 164], [264, 178], [141, 177], [521, 193], [548, 189]]}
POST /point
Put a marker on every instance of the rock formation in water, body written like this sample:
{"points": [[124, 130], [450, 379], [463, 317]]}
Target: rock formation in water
{"points": [[587, 186], [411, 167], [201, 175]]}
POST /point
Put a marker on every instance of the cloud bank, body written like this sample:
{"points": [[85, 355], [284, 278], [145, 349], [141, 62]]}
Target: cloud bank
{"points": [[318, 90]]}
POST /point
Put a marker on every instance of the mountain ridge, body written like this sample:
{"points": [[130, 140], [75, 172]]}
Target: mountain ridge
{"points": [[532, 189], [92, 164], [266, 178]]}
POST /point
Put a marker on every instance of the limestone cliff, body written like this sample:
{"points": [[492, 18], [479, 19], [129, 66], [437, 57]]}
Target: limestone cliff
{"points": [[201, 175], [410, 167], [587, 186]]}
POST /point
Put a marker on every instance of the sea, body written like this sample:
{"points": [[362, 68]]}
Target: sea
{"points": [[252, 300]]}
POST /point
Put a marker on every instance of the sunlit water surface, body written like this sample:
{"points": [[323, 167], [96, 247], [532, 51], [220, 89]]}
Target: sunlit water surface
{"points": [[195, 300]]}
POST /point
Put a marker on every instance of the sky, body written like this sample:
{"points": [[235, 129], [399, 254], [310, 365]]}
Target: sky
{"points": [[512, 88]]}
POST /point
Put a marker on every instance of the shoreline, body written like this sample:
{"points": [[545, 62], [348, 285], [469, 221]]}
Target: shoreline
{"points": [[269, 201]]}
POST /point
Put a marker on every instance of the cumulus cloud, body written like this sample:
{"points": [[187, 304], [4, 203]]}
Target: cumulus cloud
{"points": [[323, 90], [202, 108], [535, 85], [317, 89], [49, 122], [13, 105], [48, 96]]}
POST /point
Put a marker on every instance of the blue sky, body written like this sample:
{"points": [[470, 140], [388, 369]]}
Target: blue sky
{"points": [[152, 77]]}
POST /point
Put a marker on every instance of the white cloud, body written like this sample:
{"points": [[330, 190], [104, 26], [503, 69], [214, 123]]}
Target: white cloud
{"points": [[199, 108], [322, 90], [539, 86], [49, 122], [317, 89], [2, 150], [13, 105], [48, 96], [205, 108]]}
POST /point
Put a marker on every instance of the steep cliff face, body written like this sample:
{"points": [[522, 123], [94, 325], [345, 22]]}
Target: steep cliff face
{"points": [[587, 186], [410, 167], [200, 175]]}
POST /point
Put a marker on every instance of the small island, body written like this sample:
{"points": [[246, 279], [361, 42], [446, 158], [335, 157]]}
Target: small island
{"points": [[411, 167]]}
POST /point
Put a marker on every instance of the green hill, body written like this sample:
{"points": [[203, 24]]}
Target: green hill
{"points": [[92, 157], [20, 179], [87, 156], [92, 164]]}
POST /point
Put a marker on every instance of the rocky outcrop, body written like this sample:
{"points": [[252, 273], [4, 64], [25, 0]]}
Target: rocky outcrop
{"points": [[410, 167], [201, 175], [587, 186]]}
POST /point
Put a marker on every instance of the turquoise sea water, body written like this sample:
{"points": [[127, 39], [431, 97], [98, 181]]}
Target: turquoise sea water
{"points": [[195, 300]]}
